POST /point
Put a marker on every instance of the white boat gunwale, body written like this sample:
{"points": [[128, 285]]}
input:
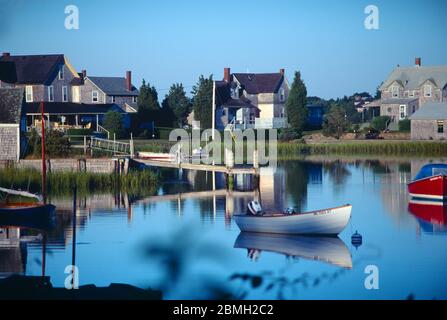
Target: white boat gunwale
{"points": [[282, 215]]}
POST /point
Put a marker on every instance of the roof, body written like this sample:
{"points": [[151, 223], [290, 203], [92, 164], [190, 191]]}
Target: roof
{"points": [[71, 108], [35, 69], [255, 83], [223, 97], [11, 102], [398, 100], [8, 72], [115, 86], [431, 111], [413, 77]]}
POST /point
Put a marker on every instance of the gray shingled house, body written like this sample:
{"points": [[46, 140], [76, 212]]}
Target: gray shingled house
{"points": [[430, 122], [72, 100], [408, 88], [117, 90], [44, 77], [11, 123], [252, 100]]}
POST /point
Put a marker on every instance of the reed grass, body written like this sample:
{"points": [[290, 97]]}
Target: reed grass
{"points": [[386, 148], [61, 183]]}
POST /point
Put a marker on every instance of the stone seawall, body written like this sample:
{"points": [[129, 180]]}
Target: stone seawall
{"points": [[73, 165]]}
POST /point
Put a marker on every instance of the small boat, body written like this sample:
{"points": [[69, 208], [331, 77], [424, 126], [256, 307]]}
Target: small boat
{"points": [[330, 221], [154, 156], [29, 213], [330, 250], [430, 183]]}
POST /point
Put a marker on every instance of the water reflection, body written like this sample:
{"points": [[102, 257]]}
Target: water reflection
{"points": [[330, 250], [14, 249], [111, 227], [431, 215]]}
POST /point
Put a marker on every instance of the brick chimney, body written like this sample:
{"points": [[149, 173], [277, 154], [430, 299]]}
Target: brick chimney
{"points": [[129, 80], [282, 71], [84, 73], [6, 54], [227, 74], [417, 62]]}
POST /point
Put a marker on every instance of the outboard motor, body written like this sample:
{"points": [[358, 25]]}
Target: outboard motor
{"points": [[254, 208]]}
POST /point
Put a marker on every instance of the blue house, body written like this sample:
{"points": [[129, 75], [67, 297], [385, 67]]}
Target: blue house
{"points": [[315, 115]]}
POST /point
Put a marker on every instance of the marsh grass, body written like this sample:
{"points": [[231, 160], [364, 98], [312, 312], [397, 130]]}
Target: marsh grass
{"points": [[385, 148], [62, 183]]}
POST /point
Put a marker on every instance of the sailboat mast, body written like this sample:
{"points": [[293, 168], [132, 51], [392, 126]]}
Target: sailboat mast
{"points": [[44, 167]]}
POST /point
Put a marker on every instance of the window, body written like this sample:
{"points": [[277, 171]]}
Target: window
{"points": [[50, 93], [282, 95], [29, 93], [64, 94], [440, 126], [414, 109], [134, 99], [411, 93], [94, 96], [427, 90], [113, 99], [395, 91], [402, 112], [75, 93], [61, 72]]}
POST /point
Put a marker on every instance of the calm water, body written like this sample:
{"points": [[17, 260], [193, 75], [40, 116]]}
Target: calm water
{"points": [[184, 241]]}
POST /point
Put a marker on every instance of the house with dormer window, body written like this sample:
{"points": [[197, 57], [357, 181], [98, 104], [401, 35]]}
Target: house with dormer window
{"points": [[408, 88], [44, 77], [252, 100]]}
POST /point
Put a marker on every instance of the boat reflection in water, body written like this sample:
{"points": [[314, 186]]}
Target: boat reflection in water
{"points": [[431, 215], [330, 250]]}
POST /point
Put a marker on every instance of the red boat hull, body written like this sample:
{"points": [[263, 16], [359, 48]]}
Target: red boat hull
{"points": [[434, 188]]}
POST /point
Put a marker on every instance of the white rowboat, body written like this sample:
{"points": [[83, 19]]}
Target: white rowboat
{"points": [[330, 221]]}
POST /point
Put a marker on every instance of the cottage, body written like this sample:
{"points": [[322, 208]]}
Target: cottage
{"points": [[117, 90], [72, 100], [252, 100], [11, 126], [232, 108], [408, 88], [44, 77], [430, 122]]}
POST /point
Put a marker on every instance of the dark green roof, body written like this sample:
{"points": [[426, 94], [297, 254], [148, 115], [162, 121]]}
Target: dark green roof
{"points": [[11, 102]]}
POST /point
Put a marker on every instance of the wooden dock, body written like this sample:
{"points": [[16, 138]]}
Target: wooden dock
{"points": [[198, 166]]}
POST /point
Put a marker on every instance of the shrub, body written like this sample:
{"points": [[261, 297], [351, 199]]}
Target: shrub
{"points": [[56, 144], [404, 125], [79, 132], [113, 122], [380, 123], [289, 134]]}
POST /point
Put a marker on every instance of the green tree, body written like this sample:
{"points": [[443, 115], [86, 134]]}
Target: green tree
{"points": [[380, 123], [148, 97], [296, 104], [147, 103], [335, 122], [113, 121], [177, 101], [203, 100]]}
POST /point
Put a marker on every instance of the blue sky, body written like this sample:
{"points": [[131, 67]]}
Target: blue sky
{"points": [[175, 41]]}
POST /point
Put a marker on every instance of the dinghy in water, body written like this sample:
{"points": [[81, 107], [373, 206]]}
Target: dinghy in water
{"points": [[330, 221]]}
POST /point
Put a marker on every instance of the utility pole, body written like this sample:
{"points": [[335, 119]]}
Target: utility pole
{"points": [[213, 110], [213, 114]]}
